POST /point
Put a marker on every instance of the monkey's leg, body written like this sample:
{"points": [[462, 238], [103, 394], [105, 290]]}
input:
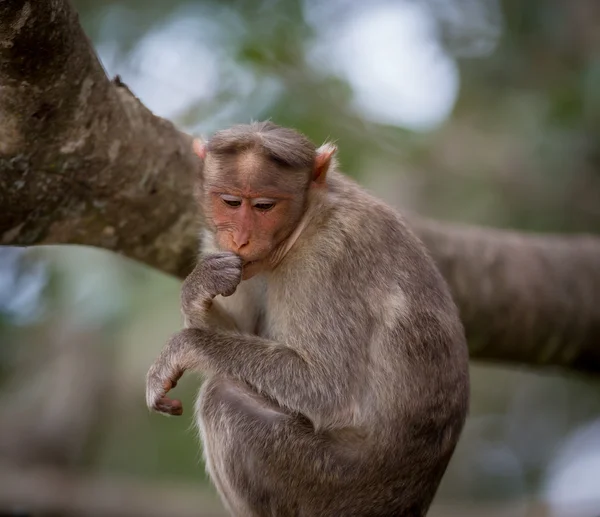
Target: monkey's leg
{"points": [[266, 462], [214, 409]]}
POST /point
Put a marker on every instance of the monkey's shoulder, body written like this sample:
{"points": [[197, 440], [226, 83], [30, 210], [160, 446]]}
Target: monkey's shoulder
{"points": [[372, 251], [361, 226], [360, 214]]}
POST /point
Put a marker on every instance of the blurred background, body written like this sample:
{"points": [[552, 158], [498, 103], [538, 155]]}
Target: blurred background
{"points": [[482, 111]]}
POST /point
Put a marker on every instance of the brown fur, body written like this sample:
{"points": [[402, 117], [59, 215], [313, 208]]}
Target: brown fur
{"points": [[338, 378], [284, 157]]}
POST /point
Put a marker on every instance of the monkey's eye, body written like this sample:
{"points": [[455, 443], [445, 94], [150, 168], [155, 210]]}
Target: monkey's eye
{"points": [[231, 201], [264, 205]]}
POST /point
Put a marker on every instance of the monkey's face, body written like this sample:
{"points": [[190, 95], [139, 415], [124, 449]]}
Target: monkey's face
{"points": [[251, 204], [254, 192], [252, 225]]}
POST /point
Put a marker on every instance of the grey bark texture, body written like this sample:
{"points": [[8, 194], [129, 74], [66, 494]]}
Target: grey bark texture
{"points": [[82, 161]]}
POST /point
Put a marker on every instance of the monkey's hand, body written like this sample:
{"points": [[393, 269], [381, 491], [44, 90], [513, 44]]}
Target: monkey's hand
{"points": [[218, 273], [161, 378]]}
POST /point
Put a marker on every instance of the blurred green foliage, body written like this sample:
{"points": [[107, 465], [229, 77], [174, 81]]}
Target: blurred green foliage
{"points": [[516, 143]]}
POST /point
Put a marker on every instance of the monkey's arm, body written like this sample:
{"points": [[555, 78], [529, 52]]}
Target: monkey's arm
{"points": [[215, 274], [212, 315], [308, 385]]}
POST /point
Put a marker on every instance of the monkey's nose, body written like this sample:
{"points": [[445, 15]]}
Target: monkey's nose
{"points": [[240, 240]]}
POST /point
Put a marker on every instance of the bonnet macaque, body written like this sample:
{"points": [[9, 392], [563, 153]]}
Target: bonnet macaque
{"points": [[335, 362]]}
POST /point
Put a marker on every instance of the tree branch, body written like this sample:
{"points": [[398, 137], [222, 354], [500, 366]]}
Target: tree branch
{"points": [[82, 161], [523, 298]]}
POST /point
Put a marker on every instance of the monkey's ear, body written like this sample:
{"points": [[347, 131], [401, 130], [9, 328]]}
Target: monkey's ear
{"points": [[323, 160], [199, 147]]}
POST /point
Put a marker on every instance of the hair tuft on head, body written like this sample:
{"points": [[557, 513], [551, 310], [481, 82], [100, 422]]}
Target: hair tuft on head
{"points": [[285, 146]]}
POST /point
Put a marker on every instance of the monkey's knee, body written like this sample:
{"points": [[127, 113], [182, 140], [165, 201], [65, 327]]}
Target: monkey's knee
{"points": [[228, 454], [224, 407], [235, 403], [214, 409]]}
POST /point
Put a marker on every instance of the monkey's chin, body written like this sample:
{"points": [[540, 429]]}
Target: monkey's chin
{"points": [[252, 268]]}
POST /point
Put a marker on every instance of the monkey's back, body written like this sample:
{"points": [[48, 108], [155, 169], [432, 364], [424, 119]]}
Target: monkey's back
{"points": [[414, 395], [416, 342]]}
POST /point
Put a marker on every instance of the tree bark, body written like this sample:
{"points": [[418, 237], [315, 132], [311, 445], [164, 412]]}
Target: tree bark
{"points": [[523, 298], [82, 161]]}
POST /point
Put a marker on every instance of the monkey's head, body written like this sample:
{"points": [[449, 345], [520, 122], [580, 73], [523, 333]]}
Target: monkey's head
{"points": [[255, 183]]}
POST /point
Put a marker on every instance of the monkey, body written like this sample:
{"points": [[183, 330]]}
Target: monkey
{"points": [[334, 360]]}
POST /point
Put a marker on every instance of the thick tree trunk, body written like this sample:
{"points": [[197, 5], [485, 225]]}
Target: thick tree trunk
{"points": [[82, 161]]}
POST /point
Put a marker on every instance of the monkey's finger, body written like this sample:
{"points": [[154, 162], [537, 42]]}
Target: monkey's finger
{"points": [[220, 254], [232, 273], [169, 384], [224, 257], [169, 406], [229, 265], [229, 292]]}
